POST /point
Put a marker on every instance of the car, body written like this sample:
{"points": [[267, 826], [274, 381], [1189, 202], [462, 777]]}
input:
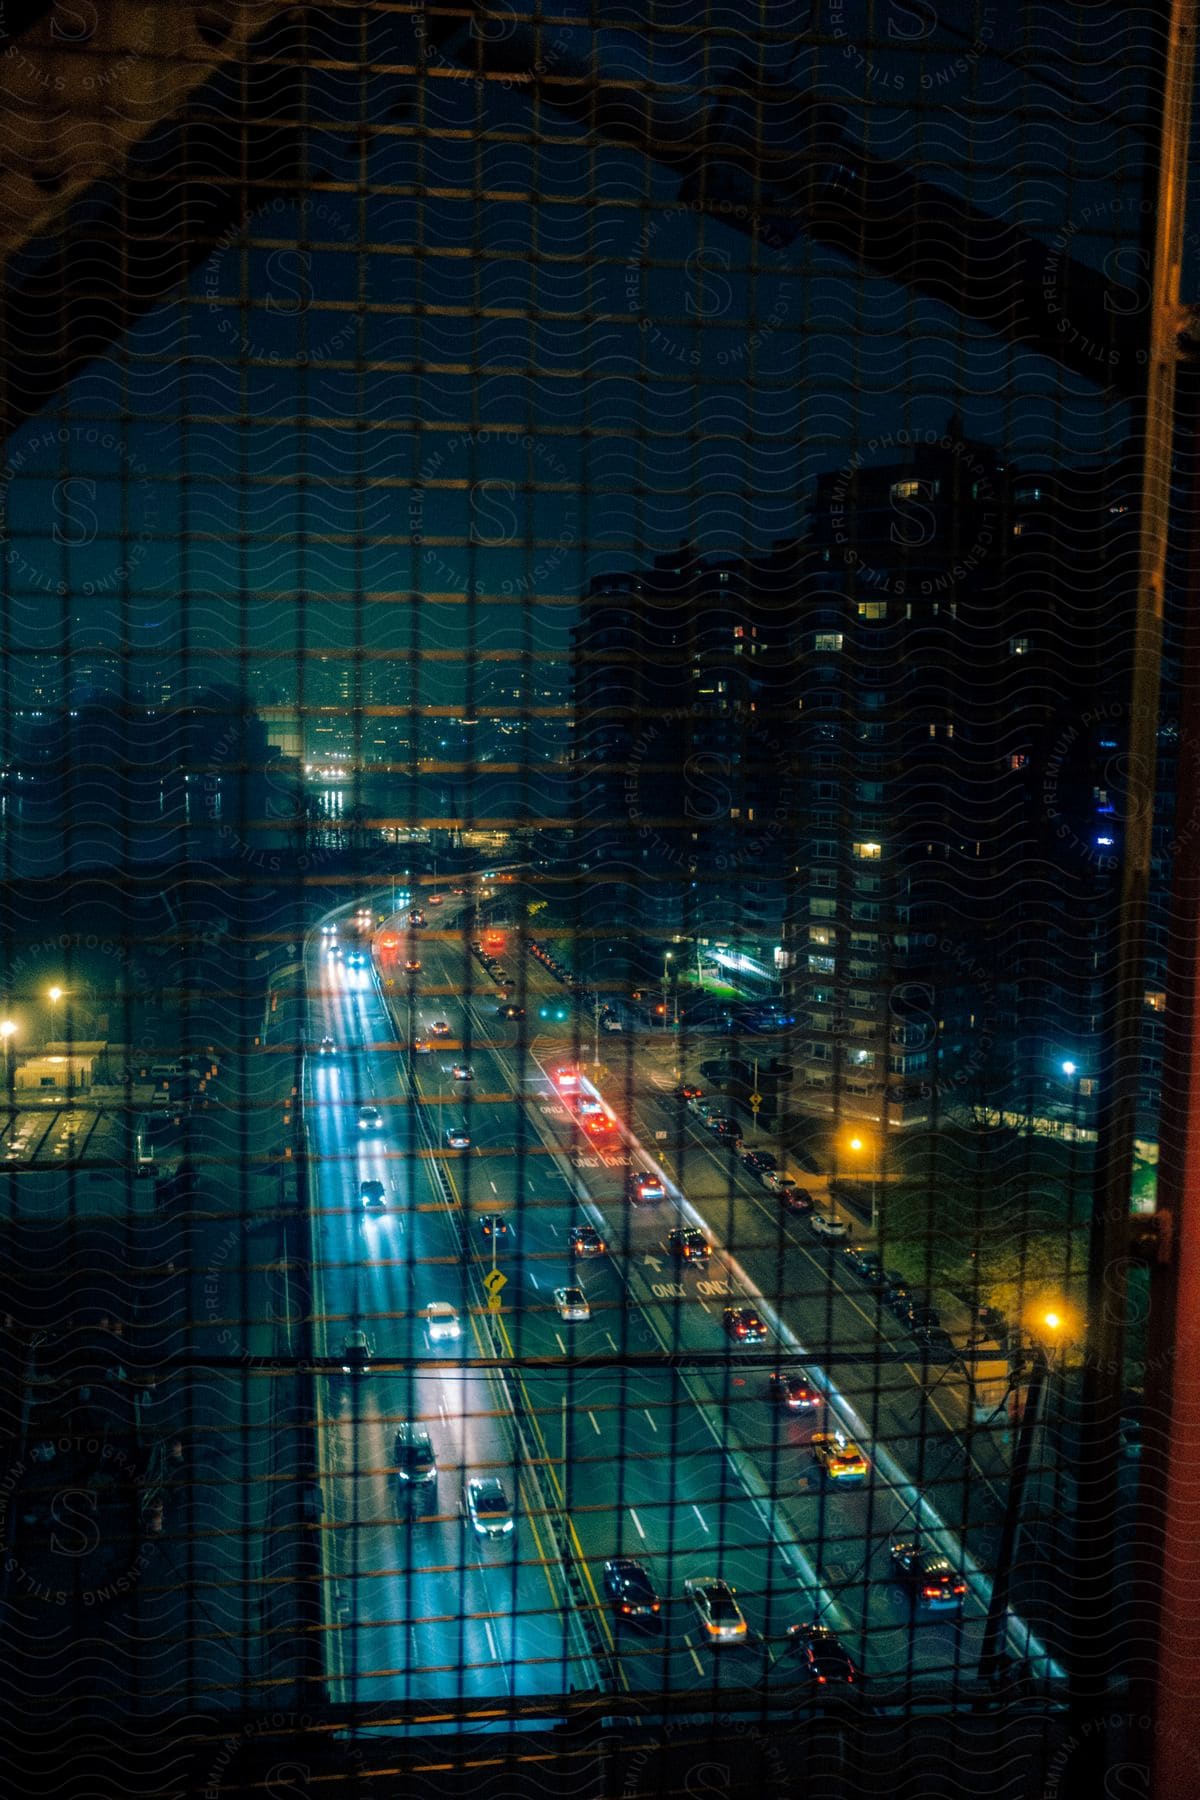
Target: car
{"points": [[861, 1258], [335, 951], [373, 1195], [463, 1072], [557, 1011], [442, 1322], [329, 931], [416, 916], [838, 1459], [794, 1390], [743, 1324], [611, 1024], [510, 1012], [721, 1618], [326, 1047], [702, 1108], [897, 1295], [994, 1323], [357, 1351], [775, 1180], [422, 1047], [436, 899], [488, 1507], [588, 1105], [936, 1343], [880, 1280], [458, 892], [919, 1313], [566, 1080], [572, 1305], [356, 959], [494, 1228], [645, 1187], [586, 1241], [930, 1578], [726, 1129], [458, 1137], [370, 1118], [795, 1199], [439, 1028], [413, 965], [757, 1161], [413, 1455], [688, 1244], [629, 1587], [685, 1092], [829, 1227], [823, 1656]]}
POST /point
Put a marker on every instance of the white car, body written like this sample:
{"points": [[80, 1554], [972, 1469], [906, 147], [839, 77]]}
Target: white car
{"points": [[776, 1180], [572, 1305], [458, 1138], [370, 1118], [721, 1618], [463, 1072], [327, 1047], [488, 1507], [829, 1226], [442, 1322]]}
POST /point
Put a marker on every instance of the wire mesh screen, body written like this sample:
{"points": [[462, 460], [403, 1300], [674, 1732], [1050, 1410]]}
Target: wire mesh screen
{"points": [[568, 746]]}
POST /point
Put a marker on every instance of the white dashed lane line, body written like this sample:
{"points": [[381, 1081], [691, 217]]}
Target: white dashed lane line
{"points": [[638, 1523]]}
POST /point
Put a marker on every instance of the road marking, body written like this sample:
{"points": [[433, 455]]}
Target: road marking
{"points": [[694, 1657], [554, 1228], [649, 1418], [638, 1523], [488, 1633], [495, 1189], [595, 1427], [534, 1280], [612, 1340], [655, 1262], [558, 1340], [703, 1523]]}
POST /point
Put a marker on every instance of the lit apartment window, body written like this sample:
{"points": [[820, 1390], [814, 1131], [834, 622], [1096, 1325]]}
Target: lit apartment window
{"points": [[818, 934], [868, 852], [1018, 760], [1019, 646], [872, 609], [913, 490], [828, 640]]}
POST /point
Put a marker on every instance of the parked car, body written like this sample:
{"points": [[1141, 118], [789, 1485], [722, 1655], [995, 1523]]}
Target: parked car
{"points": [[861, 1259], [795, 1199], [628, 1585], [918, 1313], [936, 1343], [758, 1161], [829, 1227]]}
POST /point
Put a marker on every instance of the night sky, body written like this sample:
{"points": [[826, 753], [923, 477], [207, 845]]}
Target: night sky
{"points": [[678, 382]]}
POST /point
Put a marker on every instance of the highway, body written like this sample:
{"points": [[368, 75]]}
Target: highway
{"points": [[640, 1432]]}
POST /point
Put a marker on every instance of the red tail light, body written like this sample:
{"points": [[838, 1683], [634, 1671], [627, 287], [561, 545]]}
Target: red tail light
{"points": [[933, 1593], [821, 1680]]}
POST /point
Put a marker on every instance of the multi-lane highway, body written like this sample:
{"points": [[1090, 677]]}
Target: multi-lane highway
{"points": [[642, 1431]]}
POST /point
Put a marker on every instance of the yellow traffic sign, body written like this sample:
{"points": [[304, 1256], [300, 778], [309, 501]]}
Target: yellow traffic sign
{"points": [[756, 1101], [493, 1281], [495, 1303]]}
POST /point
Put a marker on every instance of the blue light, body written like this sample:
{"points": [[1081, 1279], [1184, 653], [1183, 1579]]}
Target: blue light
{"points": [[1106, 840]]}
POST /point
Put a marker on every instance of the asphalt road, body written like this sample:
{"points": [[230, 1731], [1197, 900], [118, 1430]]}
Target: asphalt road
{"points": [[608, 1445]]}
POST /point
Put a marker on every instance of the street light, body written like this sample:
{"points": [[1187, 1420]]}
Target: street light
{"points": [[991, 1649], [7, 1032], [860, 1147]]}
